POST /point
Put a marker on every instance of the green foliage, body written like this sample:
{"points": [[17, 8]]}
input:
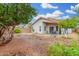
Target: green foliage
{"points": [[63, 50], [67, 23], [12, 14], [33, 30], [74, 43], [73, 51], [16, 13], [56, 50], [78, 33], [17, 30]]}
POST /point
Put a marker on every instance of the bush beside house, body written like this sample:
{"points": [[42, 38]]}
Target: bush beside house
{"points": [[25, 28], [17, 30]]}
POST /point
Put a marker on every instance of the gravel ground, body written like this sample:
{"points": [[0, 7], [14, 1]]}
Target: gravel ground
{"points": [[30, 45]]}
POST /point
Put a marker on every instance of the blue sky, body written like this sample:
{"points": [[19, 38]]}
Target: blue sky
{"points": [[51, 8]]}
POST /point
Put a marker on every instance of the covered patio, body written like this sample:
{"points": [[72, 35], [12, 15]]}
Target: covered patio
{"points": [[51, 27]]}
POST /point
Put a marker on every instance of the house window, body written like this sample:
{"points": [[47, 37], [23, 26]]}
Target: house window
{"points": [[40, 28], [44, 28]]}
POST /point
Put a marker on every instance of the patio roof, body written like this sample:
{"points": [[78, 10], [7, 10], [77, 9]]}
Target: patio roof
{"points": [[51, 21], [48, 20]]}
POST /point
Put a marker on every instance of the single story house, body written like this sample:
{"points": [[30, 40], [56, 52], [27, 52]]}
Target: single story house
{"points": [[48, 26]]}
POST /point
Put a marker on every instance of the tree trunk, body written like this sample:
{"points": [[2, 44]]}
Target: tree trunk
{"points": [[6, 35]]}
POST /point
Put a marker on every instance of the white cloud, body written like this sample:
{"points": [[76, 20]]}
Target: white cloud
{"points": [[75, 8], [46, 5], [38, 16], [51, 15], [72, 7], [65, 17], [70, 11], [56, 14]]}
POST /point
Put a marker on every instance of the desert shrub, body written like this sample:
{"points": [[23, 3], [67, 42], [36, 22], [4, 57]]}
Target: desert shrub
{"points": [[63, 50], [17, 30]]}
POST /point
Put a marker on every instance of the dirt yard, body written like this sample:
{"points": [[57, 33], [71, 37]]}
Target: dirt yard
{"points": [[32, 44]]}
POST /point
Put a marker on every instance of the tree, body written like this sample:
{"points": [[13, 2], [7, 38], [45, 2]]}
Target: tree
{"points": [[76, 18], [12, 15], [68, 23]]}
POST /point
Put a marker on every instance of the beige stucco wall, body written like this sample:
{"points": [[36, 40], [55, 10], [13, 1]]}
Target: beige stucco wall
{"points": [[40, 23], [37, 25]]}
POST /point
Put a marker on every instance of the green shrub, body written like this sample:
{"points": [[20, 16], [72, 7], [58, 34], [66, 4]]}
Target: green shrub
{"points": [[17, 30], [62, 50], [78, 33], [71, 51], [55, 50], [74, 43]]}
